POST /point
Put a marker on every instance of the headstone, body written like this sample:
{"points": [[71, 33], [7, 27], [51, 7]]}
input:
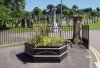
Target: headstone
{"points": [[54, 24], [27, 20], [23, 22], [4, 25], [48, 19], [30, 22]]}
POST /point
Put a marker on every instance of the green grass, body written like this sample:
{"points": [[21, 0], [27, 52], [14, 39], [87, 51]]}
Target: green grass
{"points": [[20, 30], [36, 28], [95, 25], [67, 28], [34, 24], [37, 25]]}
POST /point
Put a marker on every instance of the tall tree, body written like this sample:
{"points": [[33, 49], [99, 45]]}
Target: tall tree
{"points": [[10, 9], [75, 8], [98, 12], [50, 12], [64, 7], [87, 12], [98, 9], [44, 13], [37, 13], [66, 13], [5, 14], [15, 4], [50, 8]]}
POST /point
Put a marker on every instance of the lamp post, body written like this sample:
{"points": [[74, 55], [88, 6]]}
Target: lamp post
{"points": [[61, 13], [61, 20]]}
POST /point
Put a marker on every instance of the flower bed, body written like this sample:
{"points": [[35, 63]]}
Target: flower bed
{"points": [[46, 53], [45, 48]]}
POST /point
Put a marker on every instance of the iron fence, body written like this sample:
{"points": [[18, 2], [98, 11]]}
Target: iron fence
{"points": [[18, 35], [85, 35]]}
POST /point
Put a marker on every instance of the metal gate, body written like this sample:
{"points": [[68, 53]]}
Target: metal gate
{"points": [[85, 35]]}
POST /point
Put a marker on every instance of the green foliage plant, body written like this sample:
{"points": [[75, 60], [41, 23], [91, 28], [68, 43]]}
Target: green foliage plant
{"points": [[39, 40]]}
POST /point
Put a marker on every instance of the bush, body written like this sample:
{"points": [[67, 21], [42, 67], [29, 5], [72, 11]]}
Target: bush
{"points": [[45, 41], [44, 31]]}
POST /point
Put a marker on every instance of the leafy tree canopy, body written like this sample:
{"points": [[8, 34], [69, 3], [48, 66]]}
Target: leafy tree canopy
{"points": [[36, 11], [64, 8], [5, 13], [15, 4]]}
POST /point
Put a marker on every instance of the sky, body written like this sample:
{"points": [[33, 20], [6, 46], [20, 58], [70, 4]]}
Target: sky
{"points": [[30, 4]]}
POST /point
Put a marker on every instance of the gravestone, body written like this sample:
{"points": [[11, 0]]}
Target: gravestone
{"points": [[27, 22], [48, 19], [30, 22], [23, 22], [4, 24], [54, 23]]}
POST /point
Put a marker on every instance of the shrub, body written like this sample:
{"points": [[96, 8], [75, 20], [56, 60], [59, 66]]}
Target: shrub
{"points": [[45, 41], [44, 31]]}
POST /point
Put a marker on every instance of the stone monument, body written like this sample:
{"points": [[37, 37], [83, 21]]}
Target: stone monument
{"points": [[54, 24]]}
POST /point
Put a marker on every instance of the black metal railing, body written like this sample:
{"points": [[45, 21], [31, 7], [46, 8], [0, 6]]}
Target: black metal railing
{"points": [[18, 35], [85, 35]]}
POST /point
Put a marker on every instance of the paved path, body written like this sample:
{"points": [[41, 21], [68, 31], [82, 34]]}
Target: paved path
{"points": [[95, 39], [14, 57], [95, 48]]}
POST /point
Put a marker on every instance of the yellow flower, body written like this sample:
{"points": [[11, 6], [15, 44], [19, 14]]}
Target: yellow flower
{"points": [[46, 40]]}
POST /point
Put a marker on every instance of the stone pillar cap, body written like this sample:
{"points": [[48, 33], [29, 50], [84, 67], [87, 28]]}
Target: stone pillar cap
{"points": [[77, 16]]}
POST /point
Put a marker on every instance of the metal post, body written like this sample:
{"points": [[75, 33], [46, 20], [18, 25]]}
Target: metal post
{"points": [[61, 20]]}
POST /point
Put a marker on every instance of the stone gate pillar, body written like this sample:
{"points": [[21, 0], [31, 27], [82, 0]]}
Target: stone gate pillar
{"points": [[77, 21]]}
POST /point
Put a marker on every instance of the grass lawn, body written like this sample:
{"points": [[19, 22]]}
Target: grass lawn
{"points": [[36, 28], [95, 25], [37, 25]]}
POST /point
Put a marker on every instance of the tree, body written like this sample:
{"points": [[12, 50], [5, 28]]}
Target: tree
{"points": [[1, 2], [50, 8], [98, 9], [64, 7], [10, 9], [37, 13], [66, 13], [16, 5], [87, 12], [75, 8], [44, 13], [93, 15], [5, 14]]}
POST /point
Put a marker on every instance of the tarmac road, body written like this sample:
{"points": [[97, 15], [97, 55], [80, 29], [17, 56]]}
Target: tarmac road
{"points": [[14, 57]]}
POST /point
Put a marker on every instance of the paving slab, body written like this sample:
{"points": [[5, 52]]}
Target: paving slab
{"points": [[14, 57]]}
